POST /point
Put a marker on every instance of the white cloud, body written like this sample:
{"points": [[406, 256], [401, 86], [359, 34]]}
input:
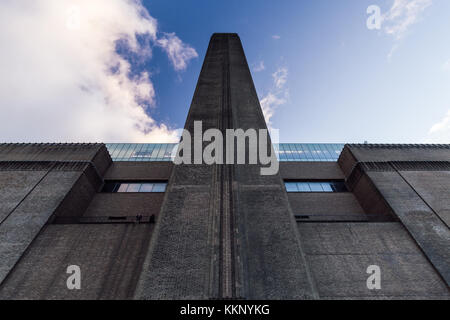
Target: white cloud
{"points": [[280, 77], [276, 37], [269, 103], [259, 67], [276, 96], [392, 51], [440, 132], [402, 15], [62, 79], [179, 53]]}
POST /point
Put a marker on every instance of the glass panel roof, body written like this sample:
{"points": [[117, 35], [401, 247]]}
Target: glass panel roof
{"points": [[285, 151]]}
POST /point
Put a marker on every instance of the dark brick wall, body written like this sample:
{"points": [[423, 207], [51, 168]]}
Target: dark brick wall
{"points": [[139, 171], [326, 207], [410, 181], [109, 256], [38, 182], [14, 186], [52, 214], [125, 204], [339, 254], [311, 170], [434, 188], [371, 200], [80, 195]]}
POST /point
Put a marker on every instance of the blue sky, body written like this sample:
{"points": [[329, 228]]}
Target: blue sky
{"points": [[125, 71], [342, 86]]}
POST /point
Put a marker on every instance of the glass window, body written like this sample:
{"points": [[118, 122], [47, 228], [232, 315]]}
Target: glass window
{"points": [[308, 151], [159, 187], [289, 153], [123, 187], [123, 150], [284, 151], [291, 187], [116, 186], [161, 152], [326, 186], [315, 186], [133, 187], [155, 151], [146, 187], [303, 187], [136, 154]]}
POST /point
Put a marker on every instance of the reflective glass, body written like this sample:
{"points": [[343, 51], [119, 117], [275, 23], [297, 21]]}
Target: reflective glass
{"points": [[136, 153], [159, 187], [315, 187], [326, 187], [133, 187], [146, 187], [285, 151], [291, 187], [303, 187], [115, 186]]}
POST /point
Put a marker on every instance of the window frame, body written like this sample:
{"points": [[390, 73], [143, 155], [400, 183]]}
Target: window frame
{"points": [[334, 186], [113, 186]]}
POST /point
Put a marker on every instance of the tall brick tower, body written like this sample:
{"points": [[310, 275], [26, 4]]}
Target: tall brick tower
{"points": [[225, 231]]}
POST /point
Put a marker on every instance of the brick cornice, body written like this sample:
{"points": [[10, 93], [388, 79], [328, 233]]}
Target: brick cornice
{"points": [[386, 166]]}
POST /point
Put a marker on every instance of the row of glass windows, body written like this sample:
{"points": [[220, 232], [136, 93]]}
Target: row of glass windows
{"points": [[308, 151], [135, 187], [284, 151], [141, 151], [331, 186]]}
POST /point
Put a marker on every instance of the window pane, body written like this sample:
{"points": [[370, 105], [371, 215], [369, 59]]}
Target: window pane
{"points": [[134, 156], [326, 186], [316, 186], [282, 153], [312, 186], [116, 186], [127, 154], [146, 187], [161, 152], [303, 187], [291, 186], [155, 152], [133, 187], [124, 149], [159, 187]]}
